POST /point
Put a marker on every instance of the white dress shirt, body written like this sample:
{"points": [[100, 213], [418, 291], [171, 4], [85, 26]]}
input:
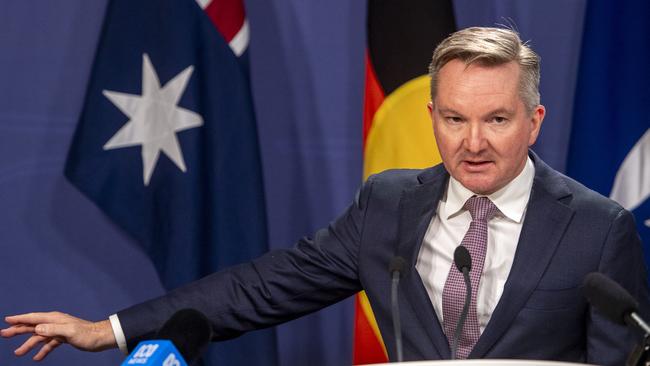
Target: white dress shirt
{"points": [[448, 227], [118, 333]]}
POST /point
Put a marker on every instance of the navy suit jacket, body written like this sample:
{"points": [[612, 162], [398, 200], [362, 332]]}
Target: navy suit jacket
{"points": [[568, 232]]}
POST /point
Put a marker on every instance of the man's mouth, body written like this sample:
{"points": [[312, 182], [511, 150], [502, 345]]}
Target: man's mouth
{"points": [[476, 165]]}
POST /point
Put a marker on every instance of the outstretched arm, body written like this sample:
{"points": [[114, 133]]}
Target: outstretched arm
{"points": [[54, 328]]}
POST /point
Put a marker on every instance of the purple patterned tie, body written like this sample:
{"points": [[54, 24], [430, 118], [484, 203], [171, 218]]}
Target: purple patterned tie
{"points": [[453, 294]]}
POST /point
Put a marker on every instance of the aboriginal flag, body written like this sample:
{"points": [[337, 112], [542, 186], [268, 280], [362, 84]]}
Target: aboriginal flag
{"points": [[397, 129]]}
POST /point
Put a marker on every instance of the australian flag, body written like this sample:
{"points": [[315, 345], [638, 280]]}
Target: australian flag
{"points": [[610, 141], [167, 142]]}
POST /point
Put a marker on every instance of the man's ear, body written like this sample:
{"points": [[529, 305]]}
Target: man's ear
{"points": [[536, 123]]}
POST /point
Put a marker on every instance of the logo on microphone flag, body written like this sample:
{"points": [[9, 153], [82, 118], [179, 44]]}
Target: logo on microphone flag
{"points": [[610, 138], [155, 353], [166, 144]]}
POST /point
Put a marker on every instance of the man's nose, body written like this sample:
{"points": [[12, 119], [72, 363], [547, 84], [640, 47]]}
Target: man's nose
{"points": [[474, 140]]}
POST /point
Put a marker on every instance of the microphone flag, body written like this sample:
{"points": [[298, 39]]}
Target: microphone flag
{"points": [[166, 144], [155, 353]]}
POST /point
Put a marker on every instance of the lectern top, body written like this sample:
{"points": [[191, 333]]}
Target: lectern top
{"points": [[484, 363]]}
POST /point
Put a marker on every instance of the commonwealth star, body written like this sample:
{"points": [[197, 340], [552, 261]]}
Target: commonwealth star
{"points": [[155, 117]]}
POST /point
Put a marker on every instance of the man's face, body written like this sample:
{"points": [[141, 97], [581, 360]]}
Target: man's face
{"points": [[481, 125]]}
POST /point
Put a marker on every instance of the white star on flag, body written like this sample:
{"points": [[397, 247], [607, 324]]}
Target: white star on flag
{"points": [[155, 118]]}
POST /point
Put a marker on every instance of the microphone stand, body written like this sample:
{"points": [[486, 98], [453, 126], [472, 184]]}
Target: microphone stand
{"points": [[397, 325], [395, 269], [640, 356], [463, 315]]}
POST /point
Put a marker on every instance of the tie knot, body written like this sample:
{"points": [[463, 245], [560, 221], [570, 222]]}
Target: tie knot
{"points": [[481, 208]]}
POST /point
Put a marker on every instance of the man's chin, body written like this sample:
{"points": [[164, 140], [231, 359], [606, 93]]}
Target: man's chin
{"points": [[478, 186]]}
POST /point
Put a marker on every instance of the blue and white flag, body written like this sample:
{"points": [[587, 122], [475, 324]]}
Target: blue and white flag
{"points": [[167, 145], [610, 140]]}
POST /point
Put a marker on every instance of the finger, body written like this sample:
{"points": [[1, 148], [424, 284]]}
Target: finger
{"points": [[56, 330], [36, 318], [29, 344], [46, 349], [16, 329]]}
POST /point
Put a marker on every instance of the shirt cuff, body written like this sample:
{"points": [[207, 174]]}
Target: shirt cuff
{"points": [[118, 333]]}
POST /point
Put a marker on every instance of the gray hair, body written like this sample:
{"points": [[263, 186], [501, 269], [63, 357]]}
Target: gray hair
{"points": [[490, 47]]}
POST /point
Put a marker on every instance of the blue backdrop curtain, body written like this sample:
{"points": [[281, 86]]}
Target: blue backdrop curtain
{"points": [[60, 252]]}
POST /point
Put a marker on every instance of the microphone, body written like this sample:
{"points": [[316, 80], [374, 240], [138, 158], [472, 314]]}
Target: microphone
{"points": [[189, 330], [613, 301], [463, 261], [395, 268], [179, 342]]}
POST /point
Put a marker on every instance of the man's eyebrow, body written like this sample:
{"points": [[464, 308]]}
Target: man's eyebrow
{"points": [[497, 111], [503, 111], [449, 111]]}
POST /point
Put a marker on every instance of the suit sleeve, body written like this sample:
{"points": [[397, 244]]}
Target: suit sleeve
{"points": [[622, 260], [276, 287]]}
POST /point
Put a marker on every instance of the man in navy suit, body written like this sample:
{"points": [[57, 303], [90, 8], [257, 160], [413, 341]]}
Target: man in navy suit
{"points": [[545, 233]]}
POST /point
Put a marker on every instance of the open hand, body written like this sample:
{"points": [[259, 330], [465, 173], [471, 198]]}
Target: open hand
{"points": [[54, 328]]}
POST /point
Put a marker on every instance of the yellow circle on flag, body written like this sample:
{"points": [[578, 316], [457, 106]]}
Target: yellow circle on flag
{"points": [[401, 134]]}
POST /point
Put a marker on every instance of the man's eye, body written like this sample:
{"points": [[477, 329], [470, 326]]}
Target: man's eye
{"points": [[499, 120], [453, 119]]}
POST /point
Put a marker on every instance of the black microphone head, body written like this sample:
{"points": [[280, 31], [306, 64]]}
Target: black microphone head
{"points": [[397, 264], [189, 330], [608, 297], [462, 258]]}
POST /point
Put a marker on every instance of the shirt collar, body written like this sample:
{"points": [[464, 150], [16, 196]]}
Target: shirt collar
{"points": [[511, 200]]}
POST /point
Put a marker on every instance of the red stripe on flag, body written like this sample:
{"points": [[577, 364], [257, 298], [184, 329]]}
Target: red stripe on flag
{"points": [[228, 16], [372, 98], [366, 348]]}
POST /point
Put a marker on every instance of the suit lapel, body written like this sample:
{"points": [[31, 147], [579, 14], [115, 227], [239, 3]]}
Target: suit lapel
{"points": [[544, 225], [417, 207]]}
